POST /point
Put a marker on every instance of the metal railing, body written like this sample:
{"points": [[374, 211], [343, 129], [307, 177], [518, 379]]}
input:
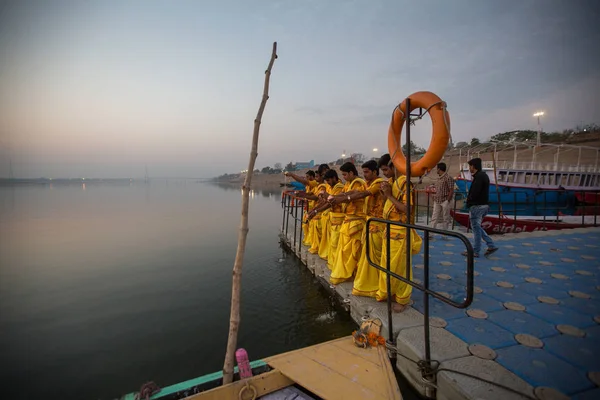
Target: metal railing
{"points": [[291, 204], [428, 371], [535, 166]]}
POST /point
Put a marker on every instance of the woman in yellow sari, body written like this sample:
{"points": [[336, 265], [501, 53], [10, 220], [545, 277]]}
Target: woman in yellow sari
{"points": [[366, 281], [396, 194]]}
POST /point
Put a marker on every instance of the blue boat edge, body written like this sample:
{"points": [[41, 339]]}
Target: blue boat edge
{"points": [[196, 385]]}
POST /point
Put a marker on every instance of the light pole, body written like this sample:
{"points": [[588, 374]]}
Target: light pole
{"points": [[375, 152], [539, 132]]}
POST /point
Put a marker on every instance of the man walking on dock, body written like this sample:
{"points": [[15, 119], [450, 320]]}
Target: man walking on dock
{"points": [[477, 201], [444, 192]]}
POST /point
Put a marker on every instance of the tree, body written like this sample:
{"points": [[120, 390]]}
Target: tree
{"points": [[475, 142], [266, 170], [358, 157], [461, 145], [277, 165], [256, 171], [414, 149], [290, 167]]}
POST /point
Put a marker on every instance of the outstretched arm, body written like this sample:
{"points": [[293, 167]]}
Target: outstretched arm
{"points": [[297, 178], [305, 195], [319, 208]]}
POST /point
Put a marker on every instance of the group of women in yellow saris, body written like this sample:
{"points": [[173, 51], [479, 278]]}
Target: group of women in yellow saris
{"points": [[335, 226]]}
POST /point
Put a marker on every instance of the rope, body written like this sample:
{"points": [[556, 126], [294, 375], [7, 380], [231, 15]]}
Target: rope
{"points": [[431, 367], [147, 390]]}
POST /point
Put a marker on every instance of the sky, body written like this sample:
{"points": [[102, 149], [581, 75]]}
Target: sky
{"points": [[104, 88]]}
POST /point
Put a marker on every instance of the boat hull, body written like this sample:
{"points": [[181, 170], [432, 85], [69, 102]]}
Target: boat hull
{"points": [[523, 195], [588, 197], [500, 224]]}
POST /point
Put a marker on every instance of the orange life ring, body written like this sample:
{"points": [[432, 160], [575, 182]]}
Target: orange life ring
{"points": [[440, 120]]}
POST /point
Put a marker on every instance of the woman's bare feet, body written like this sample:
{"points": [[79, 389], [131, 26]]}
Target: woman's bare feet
{"points": [[398, 308]]}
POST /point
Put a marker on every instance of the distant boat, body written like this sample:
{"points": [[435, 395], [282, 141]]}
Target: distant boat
{"points": [[522, 223], [293, 184]]}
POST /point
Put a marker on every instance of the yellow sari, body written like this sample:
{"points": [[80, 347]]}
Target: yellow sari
{"points": [[401, 291], [351, 231], [366, 281], [334, 223], [316, 229], [306, 225]]}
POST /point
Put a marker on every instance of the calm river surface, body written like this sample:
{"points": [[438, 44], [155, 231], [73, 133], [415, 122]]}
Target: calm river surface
{"points": [[105, 287]]}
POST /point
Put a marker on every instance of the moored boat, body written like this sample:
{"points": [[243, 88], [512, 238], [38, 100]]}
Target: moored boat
{"points": [[337, 369], [515, 224], [535, 182]]}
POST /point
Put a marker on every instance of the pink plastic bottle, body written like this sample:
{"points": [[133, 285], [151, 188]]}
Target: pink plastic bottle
{"points": [[243, 363]]}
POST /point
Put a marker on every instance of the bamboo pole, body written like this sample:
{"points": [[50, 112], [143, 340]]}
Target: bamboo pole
{"points": [[234, 319]]}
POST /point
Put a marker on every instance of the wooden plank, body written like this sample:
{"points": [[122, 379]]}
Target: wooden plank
{"points": [[354, 368], [388, 372], [339, 369], [264, 384], [323, 382], [290, 353], [327, 365], [369, 354]]}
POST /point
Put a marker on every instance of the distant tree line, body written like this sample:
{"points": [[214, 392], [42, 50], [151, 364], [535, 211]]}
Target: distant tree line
{"points": [[580, 131]]}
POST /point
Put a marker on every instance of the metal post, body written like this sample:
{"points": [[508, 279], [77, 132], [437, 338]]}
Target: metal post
{"points": [[408, 173], [427, 373], [539, 132], [428, 205], [296, 220], [288, 211], [391, 337], [283, 200], [301, 230]]}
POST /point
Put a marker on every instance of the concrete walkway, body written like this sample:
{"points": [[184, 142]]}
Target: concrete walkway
{"points": [[534, 325]]}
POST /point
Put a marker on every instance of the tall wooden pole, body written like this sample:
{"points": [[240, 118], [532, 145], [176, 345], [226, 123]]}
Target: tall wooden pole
{"points": [[234, 319]]}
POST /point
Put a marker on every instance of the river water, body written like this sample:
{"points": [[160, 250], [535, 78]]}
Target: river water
{"points": [[105, 287]]}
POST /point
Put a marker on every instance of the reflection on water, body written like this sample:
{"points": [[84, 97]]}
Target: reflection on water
{"points": [[106, 288]]}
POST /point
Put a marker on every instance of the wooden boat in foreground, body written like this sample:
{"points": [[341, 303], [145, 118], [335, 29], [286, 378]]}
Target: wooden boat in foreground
{"points": [[510, 224], [338, 369]]}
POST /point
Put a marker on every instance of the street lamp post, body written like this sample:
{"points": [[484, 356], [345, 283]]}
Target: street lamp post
{"points": [[539, 132]]}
